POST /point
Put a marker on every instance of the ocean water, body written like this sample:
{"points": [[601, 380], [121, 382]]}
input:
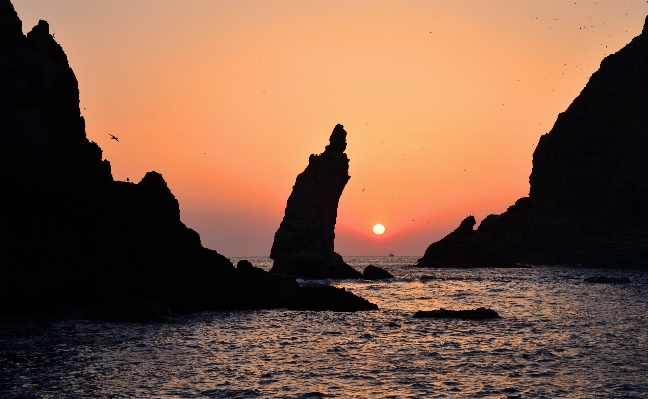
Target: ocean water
{"points": [[558, 337]]}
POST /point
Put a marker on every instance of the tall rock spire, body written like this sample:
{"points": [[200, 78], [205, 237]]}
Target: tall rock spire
{"points": [[303, 244]]}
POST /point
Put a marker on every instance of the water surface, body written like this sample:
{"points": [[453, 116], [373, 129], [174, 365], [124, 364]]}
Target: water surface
{"points": [[558, 337]]}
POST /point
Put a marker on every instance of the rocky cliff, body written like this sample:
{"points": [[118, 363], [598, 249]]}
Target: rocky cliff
{"points": [[71, 236], [588, 202], [303, 244]]}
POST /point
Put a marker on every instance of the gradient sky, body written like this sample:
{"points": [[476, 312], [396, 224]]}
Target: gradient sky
{"points": [[443, 102]]}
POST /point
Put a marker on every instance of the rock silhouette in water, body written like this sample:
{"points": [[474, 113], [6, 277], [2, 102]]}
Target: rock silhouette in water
{"points": [[372, 272], [303, 244], [463, 248], [468, 314], [588, 202], [74, 238]]}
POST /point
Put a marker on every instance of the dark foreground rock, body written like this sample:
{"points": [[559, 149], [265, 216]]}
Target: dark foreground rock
{"points": [[131, 310], [303, 244], [588, 200], [607, 280], [75, 239], [372, 272], [470, 314], [329, 298], [463, 248]]}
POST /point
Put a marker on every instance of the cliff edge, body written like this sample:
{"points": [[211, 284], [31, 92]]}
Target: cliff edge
{"points": [[588, 201], [73, 238]]}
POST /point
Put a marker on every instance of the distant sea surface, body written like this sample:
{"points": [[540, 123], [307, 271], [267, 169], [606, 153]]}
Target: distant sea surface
{"points": [[558, 337]]}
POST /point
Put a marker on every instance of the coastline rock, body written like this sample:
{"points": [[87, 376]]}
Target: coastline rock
{"points": [[607, 280], [469, 314], [463, 248], [266, 290], [131, 310], [75, 239], [269, 290], [372, 272], [329, 298], [303, 244], [588, 199]]}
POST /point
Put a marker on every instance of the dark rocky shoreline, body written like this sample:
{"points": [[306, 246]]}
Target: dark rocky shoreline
{"points": [[73, 238], [588, 201]]}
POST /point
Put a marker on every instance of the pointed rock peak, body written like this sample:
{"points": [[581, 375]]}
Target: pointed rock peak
{"points": [[153, 179], [40, 38], [337, 142], [42, 28], [467, 224]]}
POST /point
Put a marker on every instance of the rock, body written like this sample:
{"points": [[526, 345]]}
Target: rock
{"points": [[303, 244], [588, 199], [463, 248], [372, 272], [131, 310], [329, 298], [607, 280], [315, 266], [266, 290], [75, 239], [470, 314]]}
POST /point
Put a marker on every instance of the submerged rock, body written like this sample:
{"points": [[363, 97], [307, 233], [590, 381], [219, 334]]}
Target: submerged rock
{"points": [[607, 280], [588, 192], [303, 244], [372, 272], [469, 314]]}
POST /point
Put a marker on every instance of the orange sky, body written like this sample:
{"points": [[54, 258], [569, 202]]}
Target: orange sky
{"points": [[443, 102]]}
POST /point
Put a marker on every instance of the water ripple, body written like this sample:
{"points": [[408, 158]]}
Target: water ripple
{"points": [[557, 337]]}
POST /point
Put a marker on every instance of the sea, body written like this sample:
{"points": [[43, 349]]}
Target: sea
{"points": [[558, 337]]}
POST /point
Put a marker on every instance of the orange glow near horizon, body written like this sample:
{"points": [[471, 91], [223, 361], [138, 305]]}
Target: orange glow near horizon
{"points": [[443, 102]]}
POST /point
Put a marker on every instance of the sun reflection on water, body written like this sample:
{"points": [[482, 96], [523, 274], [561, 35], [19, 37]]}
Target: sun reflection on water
{"points": [[557, 337]]}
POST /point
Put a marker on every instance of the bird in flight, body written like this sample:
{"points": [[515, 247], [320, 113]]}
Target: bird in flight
{"points": [[113, 137]]}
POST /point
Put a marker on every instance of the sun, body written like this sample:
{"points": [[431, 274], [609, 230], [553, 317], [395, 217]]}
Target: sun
{"points": [[379, 229]]}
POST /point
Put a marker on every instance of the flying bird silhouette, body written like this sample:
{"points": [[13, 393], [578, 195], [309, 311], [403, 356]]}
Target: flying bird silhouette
{"points": [[113, 138]]}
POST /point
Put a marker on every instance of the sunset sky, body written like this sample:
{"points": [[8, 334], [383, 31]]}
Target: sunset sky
{"points": [[443, 102]]}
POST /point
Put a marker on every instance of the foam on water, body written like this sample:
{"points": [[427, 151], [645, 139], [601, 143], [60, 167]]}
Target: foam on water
{"points": [[558, 337]]}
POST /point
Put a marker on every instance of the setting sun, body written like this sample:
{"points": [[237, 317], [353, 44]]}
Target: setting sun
{"points": [[379, 229]]}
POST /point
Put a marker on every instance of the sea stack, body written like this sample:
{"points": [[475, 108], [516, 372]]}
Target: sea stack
{"points": [[303, 244], [588, 200]]}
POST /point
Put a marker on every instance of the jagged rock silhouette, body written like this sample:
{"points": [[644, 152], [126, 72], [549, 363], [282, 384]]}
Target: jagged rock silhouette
{"points": [[74, 238], [588, 202], [303, 244]]}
